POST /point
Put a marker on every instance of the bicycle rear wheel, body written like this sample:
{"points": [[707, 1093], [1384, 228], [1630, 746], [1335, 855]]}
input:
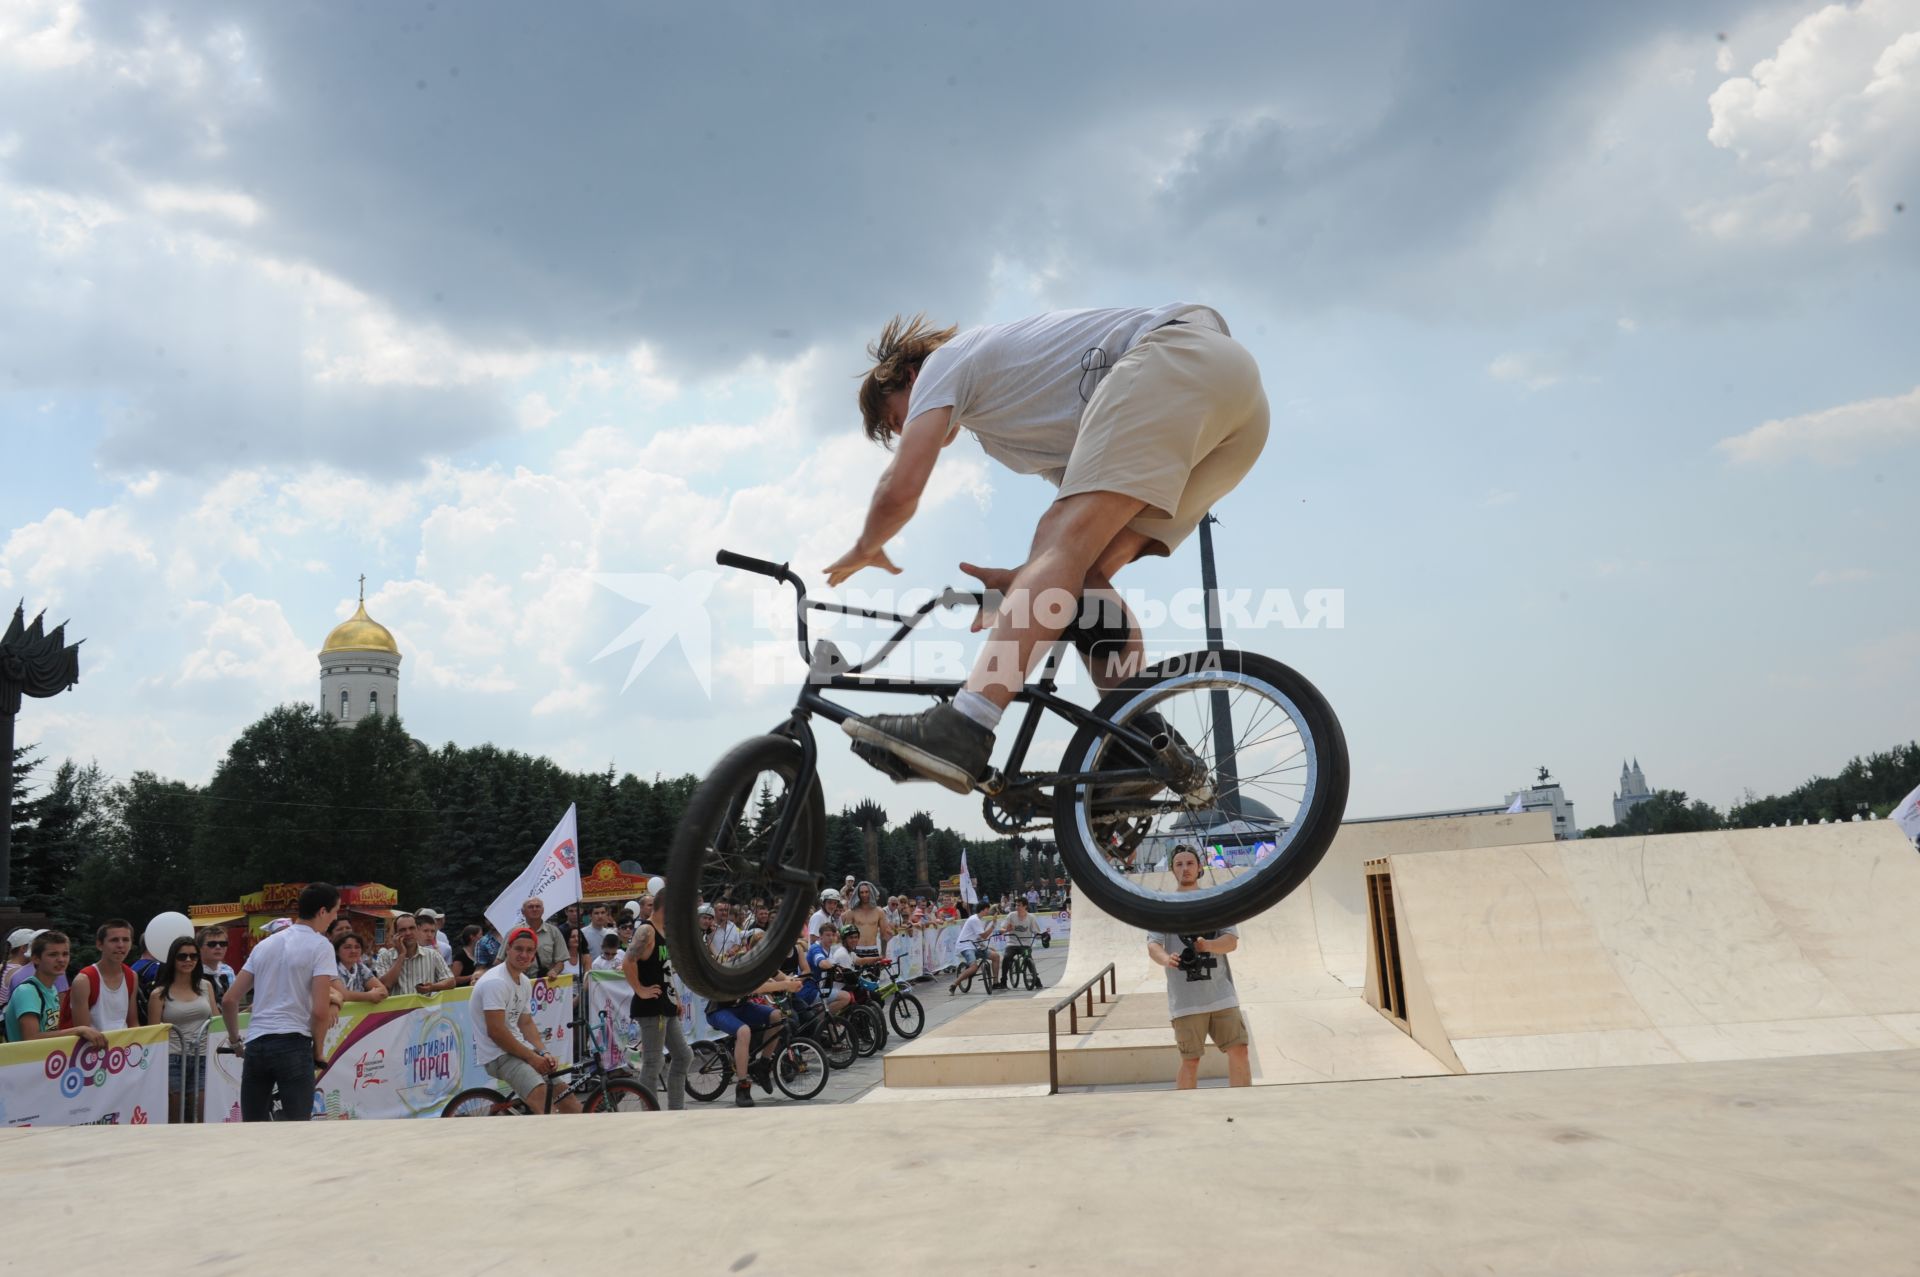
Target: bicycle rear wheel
{"points": [[481, 1101], [711, 1070], [1261, 804], [907, 1014], [837, 1042], [721, 851], [863, 1023], [622, 1097], [800, 1070]]}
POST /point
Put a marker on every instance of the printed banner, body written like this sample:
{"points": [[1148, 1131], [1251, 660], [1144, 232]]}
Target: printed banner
{"points": [[614, 1035], [64, 1082], [404, 1057]]}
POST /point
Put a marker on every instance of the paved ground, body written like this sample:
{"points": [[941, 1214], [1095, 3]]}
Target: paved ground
{"points": [[852, 1084]]}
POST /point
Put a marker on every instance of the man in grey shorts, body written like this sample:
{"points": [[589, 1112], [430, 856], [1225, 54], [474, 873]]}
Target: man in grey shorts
{"points": [[1142, 418], [504, 1046], [1200, 994]]}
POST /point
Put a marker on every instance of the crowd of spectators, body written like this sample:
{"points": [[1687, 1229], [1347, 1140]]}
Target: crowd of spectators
{"points": [[186, 987]]}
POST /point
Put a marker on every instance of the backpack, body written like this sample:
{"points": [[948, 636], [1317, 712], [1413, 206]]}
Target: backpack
{"points": [[136, 988], [31, 983]]}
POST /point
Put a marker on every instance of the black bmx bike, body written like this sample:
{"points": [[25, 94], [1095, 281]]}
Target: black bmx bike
{"points": [[1016, 968], [600, 1090], [1229, 752]]}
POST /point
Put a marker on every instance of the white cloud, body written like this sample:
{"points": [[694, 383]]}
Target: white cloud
{"points": [[1832, 435], [42, 35], [1535, 372], [231, 206], [1828, 122], [247, 642], [1840, 576]]}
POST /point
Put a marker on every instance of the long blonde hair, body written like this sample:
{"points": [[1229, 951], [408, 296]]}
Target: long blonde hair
{"points": [[903, 346]]}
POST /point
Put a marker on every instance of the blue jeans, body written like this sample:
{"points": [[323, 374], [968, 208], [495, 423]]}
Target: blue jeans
{"points": [[282, 1063], [730, 1020]]}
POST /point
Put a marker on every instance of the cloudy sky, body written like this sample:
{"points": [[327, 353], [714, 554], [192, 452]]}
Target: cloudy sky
{"points": [[1589, 332]]}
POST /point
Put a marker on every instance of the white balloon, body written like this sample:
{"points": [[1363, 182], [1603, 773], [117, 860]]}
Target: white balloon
{"points": [[164, 930], [656, 885]]}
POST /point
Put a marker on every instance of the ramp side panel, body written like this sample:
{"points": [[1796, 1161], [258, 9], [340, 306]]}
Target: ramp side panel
{"points": [[1325, 1040], [1848, 896], [1504, 947], [1339, 887], [1692, 938]]}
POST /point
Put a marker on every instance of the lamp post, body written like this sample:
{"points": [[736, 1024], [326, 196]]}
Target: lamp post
{"points": [[1226, 776], [33, 662]]}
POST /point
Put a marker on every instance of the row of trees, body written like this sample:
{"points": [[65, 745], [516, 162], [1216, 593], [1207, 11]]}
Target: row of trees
{"points": [[1866, 786], [299, 799]]}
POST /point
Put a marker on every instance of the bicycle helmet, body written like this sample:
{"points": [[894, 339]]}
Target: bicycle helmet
{"points": [[830, 894], [705, 911]]}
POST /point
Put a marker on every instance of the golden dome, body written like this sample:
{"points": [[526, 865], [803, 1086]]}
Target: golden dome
{"points": [[360, 633]]}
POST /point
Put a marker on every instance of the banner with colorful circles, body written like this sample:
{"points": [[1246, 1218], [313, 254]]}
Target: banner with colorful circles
{"points": [[65, 1082]]}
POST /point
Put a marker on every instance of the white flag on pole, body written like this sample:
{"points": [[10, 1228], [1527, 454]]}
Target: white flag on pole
{"points": [[1908, 813], [967, 894], [553, 875], [1519, 805]]}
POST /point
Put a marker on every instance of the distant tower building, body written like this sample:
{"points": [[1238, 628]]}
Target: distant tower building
{"points": [[359, 668], [1633, 791], [1546, 795]]}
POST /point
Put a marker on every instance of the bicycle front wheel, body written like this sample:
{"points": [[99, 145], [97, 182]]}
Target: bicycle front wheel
{"points": [[479, 1102], [907, 1015], [1264, 788], [723, 850], [622, 1097], [864, 1024], [837, 1042], [801, 1070]]}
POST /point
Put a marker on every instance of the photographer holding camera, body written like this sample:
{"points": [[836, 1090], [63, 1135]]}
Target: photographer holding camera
{"points": [[1200, 993]]}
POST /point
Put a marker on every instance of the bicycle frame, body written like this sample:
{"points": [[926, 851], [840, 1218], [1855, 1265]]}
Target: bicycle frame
{"points": [[829, 670]]}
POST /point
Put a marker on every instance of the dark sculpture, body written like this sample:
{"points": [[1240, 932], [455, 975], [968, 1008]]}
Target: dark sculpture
{"points": [[32, 663]]}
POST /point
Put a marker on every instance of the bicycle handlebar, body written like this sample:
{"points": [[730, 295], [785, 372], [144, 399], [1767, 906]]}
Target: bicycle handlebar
{"points": [[746, 562]]}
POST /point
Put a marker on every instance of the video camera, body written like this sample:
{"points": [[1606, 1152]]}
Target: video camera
{"points": [[1197, 965]]}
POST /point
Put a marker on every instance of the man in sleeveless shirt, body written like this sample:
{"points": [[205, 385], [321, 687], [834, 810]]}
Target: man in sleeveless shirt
{"points": [[1141, 418]]}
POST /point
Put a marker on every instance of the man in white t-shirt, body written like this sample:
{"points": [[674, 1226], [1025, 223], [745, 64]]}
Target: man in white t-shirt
{"points": [[290, 975], [829, 911], [1142, 418], [975, 951], [504, 1048]]}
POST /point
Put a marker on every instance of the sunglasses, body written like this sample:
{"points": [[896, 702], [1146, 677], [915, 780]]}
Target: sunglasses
{"points": [[185, 956], [216, 944]]}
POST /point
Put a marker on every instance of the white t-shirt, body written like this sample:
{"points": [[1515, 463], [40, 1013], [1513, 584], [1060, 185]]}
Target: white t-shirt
{"points": [[284, 966], [594, 935], [1018, 387], [604, 963], [820, 918], [725, 938], [972, 929], [497, 990]]}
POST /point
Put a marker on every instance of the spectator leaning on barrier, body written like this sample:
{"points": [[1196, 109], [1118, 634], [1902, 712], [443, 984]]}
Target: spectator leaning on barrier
{"points": [[184, 1001], [466, 962], [358, 983], [552, 951], [213, 961], [106, 994], [33, 1011], [432, 936], [291, 975], [25, 972], [1200, 1000], [410, 967]]}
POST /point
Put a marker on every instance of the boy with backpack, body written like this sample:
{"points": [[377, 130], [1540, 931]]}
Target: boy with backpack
{"points": [[33, 1012], [104, 994]]}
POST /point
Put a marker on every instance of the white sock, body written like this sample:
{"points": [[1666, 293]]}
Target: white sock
{"points": [[978, 708]]}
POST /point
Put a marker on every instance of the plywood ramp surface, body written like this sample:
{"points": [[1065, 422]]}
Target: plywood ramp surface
{"points": [[1690, 947]]}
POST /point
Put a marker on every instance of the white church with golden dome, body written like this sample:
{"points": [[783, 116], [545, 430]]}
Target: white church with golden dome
{"points": [[359, 668]]}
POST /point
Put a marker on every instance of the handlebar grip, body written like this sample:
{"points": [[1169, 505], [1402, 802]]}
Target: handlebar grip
{"points": [[728, 559]]}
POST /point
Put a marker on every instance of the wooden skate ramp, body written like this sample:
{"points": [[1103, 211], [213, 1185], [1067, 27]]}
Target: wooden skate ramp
{"points": [[1742, 944], [1299, 972]]}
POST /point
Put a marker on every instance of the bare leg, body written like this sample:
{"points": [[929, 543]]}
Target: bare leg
{"points": [[1074, 534], [1239, 1067], [1189, 1076]]}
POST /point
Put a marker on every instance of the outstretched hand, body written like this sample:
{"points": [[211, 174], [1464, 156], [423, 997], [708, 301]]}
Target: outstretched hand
{"points": [[855, 559], [996, 582]]}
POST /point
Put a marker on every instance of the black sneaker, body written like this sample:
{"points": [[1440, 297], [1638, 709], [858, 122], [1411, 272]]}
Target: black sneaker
{"points": [[761, 1071], [941, 744], [743, 1095]]}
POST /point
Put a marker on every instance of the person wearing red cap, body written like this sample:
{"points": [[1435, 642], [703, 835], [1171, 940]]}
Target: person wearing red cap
{"points": [[506, 1050]]}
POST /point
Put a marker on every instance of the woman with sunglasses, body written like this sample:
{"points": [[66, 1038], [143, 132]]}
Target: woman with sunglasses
{"points": [[184, 1002]]}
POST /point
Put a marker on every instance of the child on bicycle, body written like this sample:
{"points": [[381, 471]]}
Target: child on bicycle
{"points": [[738, 1020], [975, 952]]}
